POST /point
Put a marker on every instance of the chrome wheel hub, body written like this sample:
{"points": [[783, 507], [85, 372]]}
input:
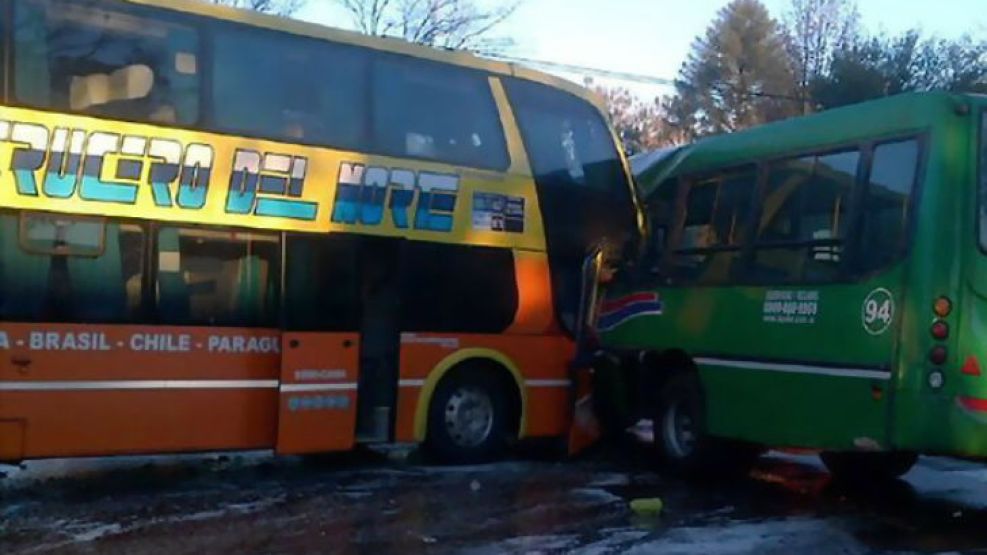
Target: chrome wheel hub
{"points": [[678, 432], [469, 416]]}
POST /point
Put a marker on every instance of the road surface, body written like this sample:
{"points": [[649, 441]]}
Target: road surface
{"points": [[374, 504]]}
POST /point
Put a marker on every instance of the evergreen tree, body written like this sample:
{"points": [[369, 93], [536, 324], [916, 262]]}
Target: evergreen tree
{"points": [[738, 75], [881, 66]]}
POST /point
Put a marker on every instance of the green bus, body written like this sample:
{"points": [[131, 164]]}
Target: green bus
{"points": [[818, 283]]}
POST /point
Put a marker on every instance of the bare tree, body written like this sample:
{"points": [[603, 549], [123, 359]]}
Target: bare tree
{"points": [[461, 24], [276, 7], [817, 29]]}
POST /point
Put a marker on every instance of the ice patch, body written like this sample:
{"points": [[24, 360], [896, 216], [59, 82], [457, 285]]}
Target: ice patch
{"points": [[596, 495], [773, 537], [610, 480], [96, 532], [954, 486], [615, 541]]}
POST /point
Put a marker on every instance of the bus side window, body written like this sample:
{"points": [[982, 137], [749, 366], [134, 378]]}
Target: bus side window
{"points": [[457, 289], [714, 229], [322, 290], [63, 269], [218, 277], [80, 57], [884, 232], [982, 168], [424, 110], [802, 231], [272, 85]]}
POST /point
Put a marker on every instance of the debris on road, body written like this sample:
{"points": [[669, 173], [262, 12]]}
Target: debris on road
{"points": [[648, 507]]}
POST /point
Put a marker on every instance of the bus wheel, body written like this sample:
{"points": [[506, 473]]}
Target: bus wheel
{"points": [[681, 438], [468, 418], [855, 467]]}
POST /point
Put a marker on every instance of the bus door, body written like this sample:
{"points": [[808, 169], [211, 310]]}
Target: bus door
{"points": [[320, 366], [380, 338]]}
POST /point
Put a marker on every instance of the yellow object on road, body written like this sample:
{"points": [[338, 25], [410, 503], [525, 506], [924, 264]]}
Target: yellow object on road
{"points": [[648, 507]]}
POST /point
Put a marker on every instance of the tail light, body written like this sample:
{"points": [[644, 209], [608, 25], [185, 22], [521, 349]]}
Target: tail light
{"points": [[940, 330], [943, 307]]}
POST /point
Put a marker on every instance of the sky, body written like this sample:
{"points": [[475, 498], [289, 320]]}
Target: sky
{"points": [[653, 37]]}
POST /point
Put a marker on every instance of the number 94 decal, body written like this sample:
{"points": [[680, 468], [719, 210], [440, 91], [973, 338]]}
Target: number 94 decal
{"points": [[878, 311]]}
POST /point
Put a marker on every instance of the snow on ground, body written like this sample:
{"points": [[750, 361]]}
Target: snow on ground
{"points": [[217, 503]]}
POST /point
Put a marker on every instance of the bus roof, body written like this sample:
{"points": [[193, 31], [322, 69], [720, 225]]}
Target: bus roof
{"points": [[386, 44], [873, 119]]}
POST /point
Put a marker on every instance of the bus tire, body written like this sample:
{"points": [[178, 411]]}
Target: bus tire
{"points": [[468, 420], [857, 468], [680, 435]]}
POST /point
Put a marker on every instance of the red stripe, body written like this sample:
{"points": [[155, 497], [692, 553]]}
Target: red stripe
{"points": [[972, 404], [623, 302]]}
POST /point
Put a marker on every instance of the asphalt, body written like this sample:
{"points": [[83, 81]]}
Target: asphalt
{"points": [[380, 503]]}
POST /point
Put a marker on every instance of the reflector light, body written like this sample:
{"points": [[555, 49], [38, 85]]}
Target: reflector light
{"points": [[936, 379], [940, 330], [972, 367], [943, 307]]}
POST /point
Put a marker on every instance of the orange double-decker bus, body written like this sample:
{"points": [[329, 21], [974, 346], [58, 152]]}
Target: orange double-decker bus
{"points": [[221, 230]]}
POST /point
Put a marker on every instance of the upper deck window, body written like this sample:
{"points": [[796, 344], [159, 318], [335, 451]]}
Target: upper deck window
{"points": [[80, 56], [568, 141], [425, 110], [299, 90]]}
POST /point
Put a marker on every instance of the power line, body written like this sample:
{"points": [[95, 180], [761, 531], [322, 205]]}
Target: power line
{"points": [[633, 77], [572, 68]]}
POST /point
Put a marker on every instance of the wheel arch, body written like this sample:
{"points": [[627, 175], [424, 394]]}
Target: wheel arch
{"points": [[658, 366], [493, 359]]}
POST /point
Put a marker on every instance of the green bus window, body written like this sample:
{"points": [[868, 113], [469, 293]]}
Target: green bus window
{"points": [[801, 233], [289, 88], [83, 56], [217, 277], [323, 283], [59, 269], [884, 233], [424, 110], [983, 180], [714, 231]]}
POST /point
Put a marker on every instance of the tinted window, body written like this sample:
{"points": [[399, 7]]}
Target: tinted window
{"points": [[717, 211], [323, 285], [61, 269], [289, 88], [983, 180], [430, 111], [217, 277], [568, 141], [451, 288], [83, 57], [884, 232], [801, 233]]}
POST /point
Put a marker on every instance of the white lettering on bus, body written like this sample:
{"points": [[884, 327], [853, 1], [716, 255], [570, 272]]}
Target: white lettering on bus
{"points": [[161, 342], [240, 344], [69, 341]]}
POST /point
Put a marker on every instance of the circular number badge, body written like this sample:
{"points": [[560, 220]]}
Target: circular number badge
{"points": [[878, 311]]}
